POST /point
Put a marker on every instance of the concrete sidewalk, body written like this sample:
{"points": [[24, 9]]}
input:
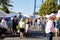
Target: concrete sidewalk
{"points": [[17, 38]]}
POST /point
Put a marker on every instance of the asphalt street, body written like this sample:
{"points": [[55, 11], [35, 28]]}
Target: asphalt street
{"points": [[33, 35]]}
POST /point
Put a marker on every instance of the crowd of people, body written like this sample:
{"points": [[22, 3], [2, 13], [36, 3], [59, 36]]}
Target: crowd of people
{"points": [[48, 25]]}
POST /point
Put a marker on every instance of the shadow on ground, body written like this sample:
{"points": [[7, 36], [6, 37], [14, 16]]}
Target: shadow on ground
{"points": [[32, 34], [36, 34]]}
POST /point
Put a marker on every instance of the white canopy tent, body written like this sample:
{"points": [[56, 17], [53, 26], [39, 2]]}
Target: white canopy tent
{"points": [[58, 14], [52, 14], [47, 15], [12, 14], [38, 16], [58, 11], [28, 16], [2, 13]]}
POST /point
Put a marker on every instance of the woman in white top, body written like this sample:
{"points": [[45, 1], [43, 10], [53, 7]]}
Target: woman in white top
{"points": [[22, 27]]}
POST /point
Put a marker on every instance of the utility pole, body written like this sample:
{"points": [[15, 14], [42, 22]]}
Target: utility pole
{"points": [[34, 7], [58, 2], [42, 1]]}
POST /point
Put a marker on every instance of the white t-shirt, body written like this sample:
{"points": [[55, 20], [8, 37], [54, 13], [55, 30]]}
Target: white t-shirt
{"points": [[26, 26], [43, 22], [4, 24], [38, 21], [21, 24]]}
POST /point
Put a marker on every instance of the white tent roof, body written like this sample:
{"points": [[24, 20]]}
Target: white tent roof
{"points": [[51, 14], [58, 11], [2, 13], [47, 15], [38, 16], [12, 14], [58, 14], [26, 15]]}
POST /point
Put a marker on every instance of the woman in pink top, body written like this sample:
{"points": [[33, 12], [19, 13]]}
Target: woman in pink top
{"points": [[49, 29]]}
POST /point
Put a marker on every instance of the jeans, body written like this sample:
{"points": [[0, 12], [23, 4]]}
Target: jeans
{"points": [[49, 36]]}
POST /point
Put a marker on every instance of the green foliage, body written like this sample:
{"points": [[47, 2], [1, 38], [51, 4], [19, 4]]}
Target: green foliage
{"points": [[5, 9], [48, 7], [5, 4], [58, 7]]}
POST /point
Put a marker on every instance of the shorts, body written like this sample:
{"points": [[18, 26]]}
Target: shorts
{"points": [[22, 30], [14, 28]]}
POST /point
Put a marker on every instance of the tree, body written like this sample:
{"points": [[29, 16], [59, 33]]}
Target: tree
{"points": [[48, 7], [58, 7], [5, 4], [5, 9]]}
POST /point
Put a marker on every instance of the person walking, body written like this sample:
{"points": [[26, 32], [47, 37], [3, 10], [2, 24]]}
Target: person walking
{"points": [[3, 26], [22, 28], [49, 29], [38, 23], [27, 29], [14, 24], [57, 26], [43, 23]]}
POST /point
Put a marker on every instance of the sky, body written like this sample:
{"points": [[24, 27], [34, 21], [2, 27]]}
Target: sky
{"points": [[25, 6]]}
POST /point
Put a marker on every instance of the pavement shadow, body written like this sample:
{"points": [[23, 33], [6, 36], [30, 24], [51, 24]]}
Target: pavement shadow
{"points": [[1, 37], [32, 34], [36, 34]]}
